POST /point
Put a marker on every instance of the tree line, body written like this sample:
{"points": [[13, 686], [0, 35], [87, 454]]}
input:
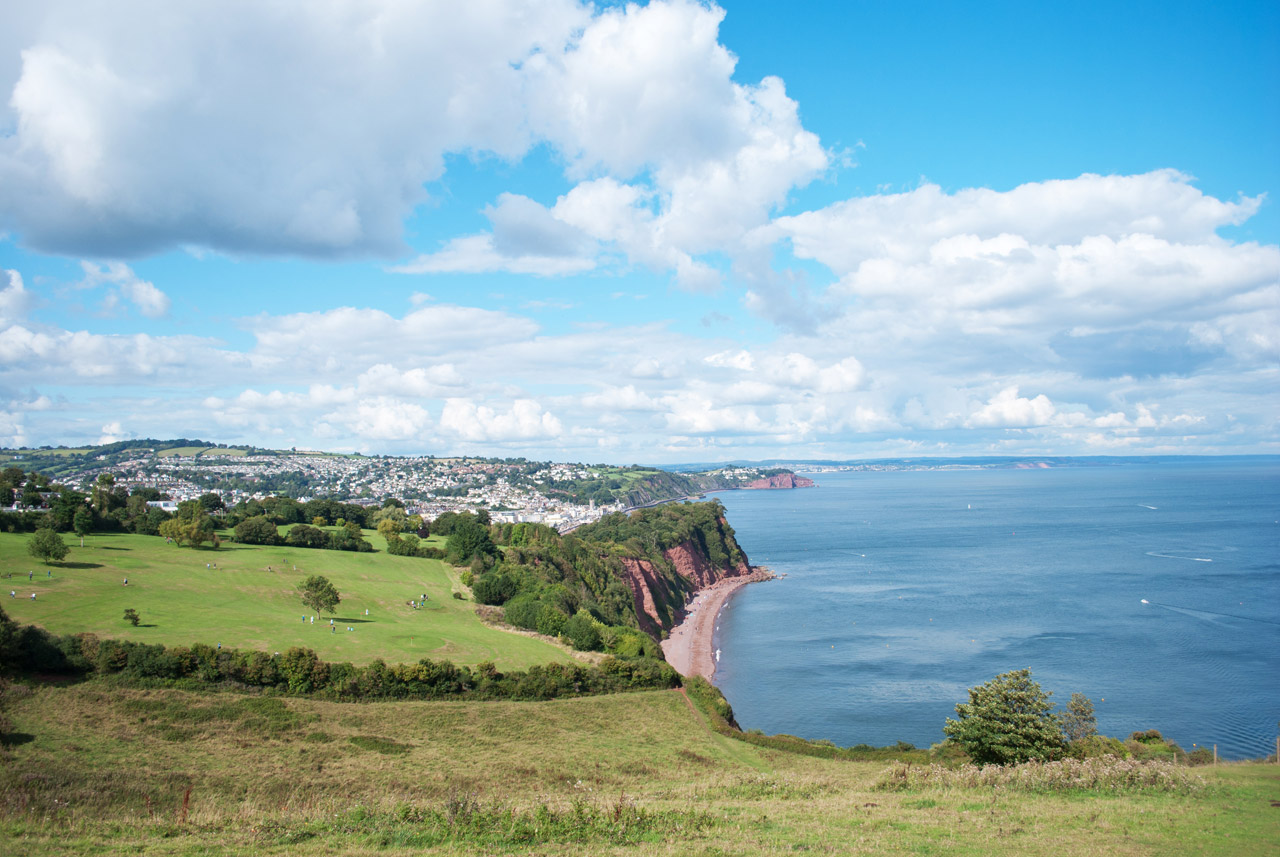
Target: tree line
{"points": [[26, 649]]}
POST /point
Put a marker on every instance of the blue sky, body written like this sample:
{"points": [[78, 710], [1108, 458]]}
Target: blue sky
{"points": [[657, 233]]}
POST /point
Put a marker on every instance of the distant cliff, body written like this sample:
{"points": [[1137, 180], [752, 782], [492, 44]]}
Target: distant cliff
{"points": [[786, 479], [659, 486]]}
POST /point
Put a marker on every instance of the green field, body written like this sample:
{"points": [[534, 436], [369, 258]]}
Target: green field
{"points": [[242, 604], [99, 769]]}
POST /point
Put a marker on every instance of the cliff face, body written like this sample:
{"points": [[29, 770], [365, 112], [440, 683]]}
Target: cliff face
{"points": [[659, 598], [781, 480]]}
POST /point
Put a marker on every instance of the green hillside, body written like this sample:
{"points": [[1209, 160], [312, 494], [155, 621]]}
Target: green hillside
{"points": [[100, 769], [241, 604]]}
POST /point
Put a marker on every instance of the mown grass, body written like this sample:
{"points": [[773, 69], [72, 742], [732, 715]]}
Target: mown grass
{"points": [[183, 600], [92, 770]]}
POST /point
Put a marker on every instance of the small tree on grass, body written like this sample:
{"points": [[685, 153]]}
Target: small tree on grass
{"points": [[131, 616], [1007, 721], [1079, 722], [82, 521], [47, 546], [318, 594]]}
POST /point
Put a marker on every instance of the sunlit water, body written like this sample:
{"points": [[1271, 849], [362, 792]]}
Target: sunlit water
{"points": [[905, 588]]}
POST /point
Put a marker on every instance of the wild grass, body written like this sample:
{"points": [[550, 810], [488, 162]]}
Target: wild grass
{"points": [[1103, 774], [90, 771]]}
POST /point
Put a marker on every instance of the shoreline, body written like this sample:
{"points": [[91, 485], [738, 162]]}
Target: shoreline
{"points": [[690, 645]]}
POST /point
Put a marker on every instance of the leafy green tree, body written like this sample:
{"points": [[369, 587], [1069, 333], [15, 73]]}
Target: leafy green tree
{"points": [[1079, 722], [172, 529], [83, 523], [318, 594], [307, 536], [102, 491], [469, 539], [63, 508], [31, 495], [201, 530], [212, 502], [582, 632], [46, 545], [1007, 721], [390, 528], [257, 530], [131, 616]]}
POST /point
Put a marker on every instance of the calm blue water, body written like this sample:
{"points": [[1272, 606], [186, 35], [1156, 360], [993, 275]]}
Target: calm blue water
{"points": [[906, 588]]}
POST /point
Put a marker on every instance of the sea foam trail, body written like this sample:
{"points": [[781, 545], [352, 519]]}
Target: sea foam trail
{"points": [[1175, 556], [1206, 614]]}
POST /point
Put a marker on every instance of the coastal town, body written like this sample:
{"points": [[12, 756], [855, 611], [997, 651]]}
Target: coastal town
{"points": [[513, 490]]}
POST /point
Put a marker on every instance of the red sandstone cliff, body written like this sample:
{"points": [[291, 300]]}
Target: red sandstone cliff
{"points": [[781, 480], [650, 587]]}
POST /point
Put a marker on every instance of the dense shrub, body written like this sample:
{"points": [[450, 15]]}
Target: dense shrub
{"points": [[493, 588], [1096, 746], [582, 632], [523, 610]]}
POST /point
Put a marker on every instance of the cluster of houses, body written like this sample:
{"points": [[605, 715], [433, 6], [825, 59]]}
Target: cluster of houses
{"points": [[514, 492]]}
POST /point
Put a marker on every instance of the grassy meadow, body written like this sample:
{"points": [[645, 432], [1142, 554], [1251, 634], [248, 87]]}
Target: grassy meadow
{"points": [[99, 769], [102, 767], [242, 604]]}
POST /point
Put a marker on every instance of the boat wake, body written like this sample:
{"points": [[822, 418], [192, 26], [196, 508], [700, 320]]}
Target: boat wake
{"points": [[1175, 556], [1145, 506], [1209, 615]]}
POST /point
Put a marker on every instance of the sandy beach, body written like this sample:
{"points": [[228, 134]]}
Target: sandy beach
{"points": [[689, 646]]}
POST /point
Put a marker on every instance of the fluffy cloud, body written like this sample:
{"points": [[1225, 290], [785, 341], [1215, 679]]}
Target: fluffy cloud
{"points": [[148, 299], [1008, 409], [524, 420], [15, 300], [693, 160], [134, 132]]}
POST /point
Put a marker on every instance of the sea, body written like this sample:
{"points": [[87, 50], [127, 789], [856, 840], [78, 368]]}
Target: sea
{"points": [[1152, 587]]}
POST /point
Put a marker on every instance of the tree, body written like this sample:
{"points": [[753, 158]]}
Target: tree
{"points": [[1007, 721], [31, 495], [582, 632], [1078, 722], [212, 502], [389, 528], [46, 545], [83, 523], [469, 539], [102, 490], [131, 616], [307, 536], [257, 530], [318, 594]]}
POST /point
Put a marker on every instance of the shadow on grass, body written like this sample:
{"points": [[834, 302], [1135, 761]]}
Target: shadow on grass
{"points": [[16, 739], [109, 548], [351, 621], [80, 565]]}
